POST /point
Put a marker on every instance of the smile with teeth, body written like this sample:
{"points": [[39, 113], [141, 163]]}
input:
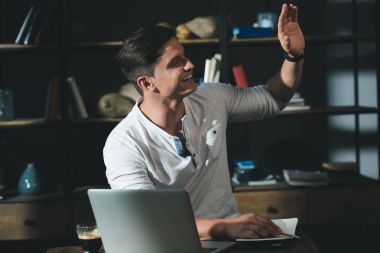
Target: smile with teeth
{"points": [[187, 78]]}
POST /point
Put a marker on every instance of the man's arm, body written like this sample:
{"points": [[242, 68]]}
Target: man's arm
{"points": [[285, 82], [244, 226]]}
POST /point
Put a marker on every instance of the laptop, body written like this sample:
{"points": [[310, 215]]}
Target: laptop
{"points": [[148, 221]]}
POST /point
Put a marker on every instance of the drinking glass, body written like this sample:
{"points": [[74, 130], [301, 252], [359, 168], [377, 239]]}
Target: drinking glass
{"points": [[89, 237]]}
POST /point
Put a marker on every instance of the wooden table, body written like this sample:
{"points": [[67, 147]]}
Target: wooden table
{"points": [[303, 245]]}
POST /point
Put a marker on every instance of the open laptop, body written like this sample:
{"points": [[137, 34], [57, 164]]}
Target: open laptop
{"points": [[148, 221]]}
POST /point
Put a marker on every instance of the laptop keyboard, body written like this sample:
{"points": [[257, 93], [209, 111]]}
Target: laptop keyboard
{"points": [[208, 250]]}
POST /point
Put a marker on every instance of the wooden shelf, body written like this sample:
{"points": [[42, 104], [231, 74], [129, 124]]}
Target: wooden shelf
{"points": [[16, 48], [115, 45], [96, 121], [27, 123], [341, 110], [206, 42], [309, 39], [338, 110], [94, 46], [15, 197], [337, 179], [314, 111]]}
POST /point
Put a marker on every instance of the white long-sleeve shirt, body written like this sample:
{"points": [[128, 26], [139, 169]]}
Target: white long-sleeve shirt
{"points": [[140, 155]]}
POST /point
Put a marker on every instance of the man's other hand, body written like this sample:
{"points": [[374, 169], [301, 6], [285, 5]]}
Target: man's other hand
{"points": [[250, 226], [247, 226]]}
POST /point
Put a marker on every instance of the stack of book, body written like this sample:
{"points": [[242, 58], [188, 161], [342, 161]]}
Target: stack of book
{"points": [[245, 32], [296, 103], [34, 28], [212, 69], [305, 178], [77, 108]]}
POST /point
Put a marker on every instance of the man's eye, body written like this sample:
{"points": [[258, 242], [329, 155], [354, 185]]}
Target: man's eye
{"points": [[175, 63], [178, 62]]}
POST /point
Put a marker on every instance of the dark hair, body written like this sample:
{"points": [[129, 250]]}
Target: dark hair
{"points": [[141, 51]]}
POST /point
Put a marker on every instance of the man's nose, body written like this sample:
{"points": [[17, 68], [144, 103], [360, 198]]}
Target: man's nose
{"points": [[189, 65]]}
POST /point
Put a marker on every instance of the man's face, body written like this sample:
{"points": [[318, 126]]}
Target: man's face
{"points": [[174, 72]]}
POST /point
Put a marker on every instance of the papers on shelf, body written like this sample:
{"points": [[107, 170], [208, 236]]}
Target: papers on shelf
{"points": [[296, 103], [303, 177], [296, 107], [262, 182]]}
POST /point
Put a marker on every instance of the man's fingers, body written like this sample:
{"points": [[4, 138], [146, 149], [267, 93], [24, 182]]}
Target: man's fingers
{"points": [[282, 19], [295, 15], [264, 229], [289, 13], [249, 234], [273, 228], [260, 230]]}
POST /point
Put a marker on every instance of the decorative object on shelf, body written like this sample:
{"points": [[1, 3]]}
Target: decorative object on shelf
{"points": [[183, 32], [114, 105], [29, 182], [266, 20], [199, 27], [129, 90], [6, 104], [204, 27]]}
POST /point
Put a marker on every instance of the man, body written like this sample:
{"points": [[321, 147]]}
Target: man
{"points": [[175, 135]]}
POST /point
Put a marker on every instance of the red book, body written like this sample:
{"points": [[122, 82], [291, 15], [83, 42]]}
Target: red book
{"points": [[240, 77]]}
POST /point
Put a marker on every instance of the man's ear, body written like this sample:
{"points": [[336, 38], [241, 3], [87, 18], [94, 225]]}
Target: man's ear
{"points": [[144, 83]]}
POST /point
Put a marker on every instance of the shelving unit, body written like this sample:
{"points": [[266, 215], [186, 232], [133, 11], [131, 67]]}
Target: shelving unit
{"points": [[65, 51]]}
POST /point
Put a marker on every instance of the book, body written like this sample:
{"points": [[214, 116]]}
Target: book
{"points": [[242, 32], [76, 100], [212, 69], [207, 71], [305, 178], [296, 103], [25, 25], [32, 26], [296, 107], [52, 103], [262, 182], [216, 76], [211, 73], [239, 76], [41, 30]]}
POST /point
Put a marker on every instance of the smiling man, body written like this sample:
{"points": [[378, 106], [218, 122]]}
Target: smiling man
{"points": [[175, 136]]}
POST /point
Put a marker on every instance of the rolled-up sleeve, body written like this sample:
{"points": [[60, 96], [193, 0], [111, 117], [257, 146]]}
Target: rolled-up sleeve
{"points": [[245, 104]]}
